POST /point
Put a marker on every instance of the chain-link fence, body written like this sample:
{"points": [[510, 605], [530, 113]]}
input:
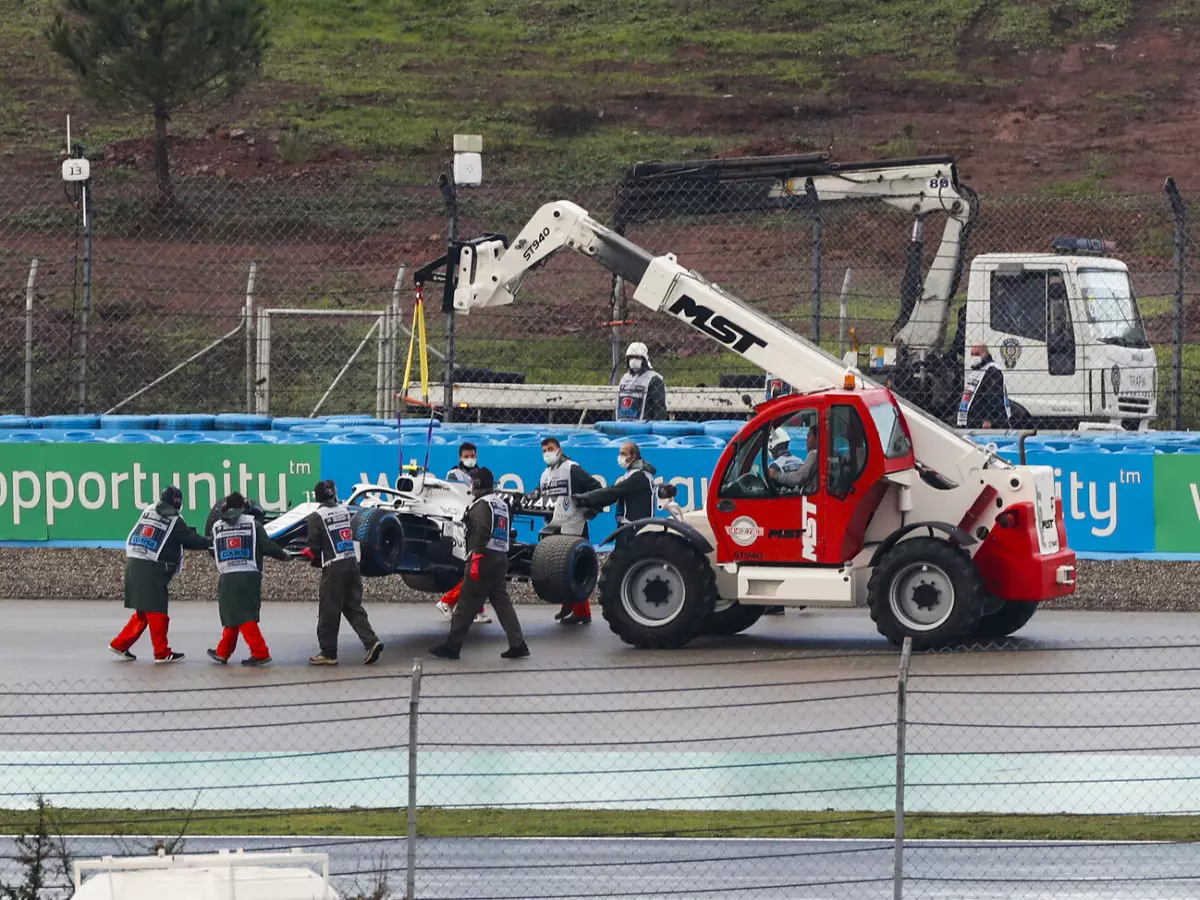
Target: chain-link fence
{"points": [[1064, 770], [294, 296]]}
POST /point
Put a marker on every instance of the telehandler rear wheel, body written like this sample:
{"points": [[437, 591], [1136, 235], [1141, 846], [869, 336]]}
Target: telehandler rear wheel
{"points": [[657, 591], [926, 589]]}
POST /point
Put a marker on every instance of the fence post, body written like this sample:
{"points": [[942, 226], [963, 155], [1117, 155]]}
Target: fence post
{"points": [[818, 231], [249, 314], [414, 703], [85, 312], [1179, 211], [901, 729], [450, 195], [29, 295], [843, 314]]}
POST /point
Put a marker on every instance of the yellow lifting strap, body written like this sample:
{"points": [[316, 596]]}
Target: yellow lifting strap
{"points": [[417, 335]]}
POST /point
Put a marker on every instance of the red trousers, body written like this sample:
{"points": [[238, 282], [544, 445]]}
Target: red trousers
{"points": [[137, 625], [583, 609], [451, 596], [254, 640]]}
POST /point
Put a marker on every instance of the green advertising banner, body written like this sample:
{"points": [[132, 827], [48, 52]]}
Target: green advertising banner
{"points": [[93, 492], [1177, 503]]}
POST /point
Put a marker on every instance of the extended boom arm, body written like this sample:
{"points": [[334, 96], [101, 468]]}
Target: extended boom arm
{"points": [[488, 273]]}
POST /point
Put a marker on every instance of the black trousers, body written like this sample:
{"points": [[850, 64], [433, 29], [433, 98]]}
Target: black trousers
{"points": [[341, 595], [490, 587]]}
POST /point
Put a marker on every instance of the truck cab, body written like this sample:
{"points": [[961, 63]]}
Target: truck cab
{"points": [[1066, 330]]}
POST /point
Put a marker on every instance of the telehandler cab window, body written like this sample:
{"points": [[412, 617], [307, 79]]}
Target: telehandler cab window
{"points": [[749, 474], [847, 450]]}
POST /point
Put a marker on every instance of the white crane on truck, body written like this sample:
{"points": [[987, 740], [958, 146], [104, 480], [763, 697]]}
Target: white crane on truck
{"points": [[1065, 324], [940, 538]]}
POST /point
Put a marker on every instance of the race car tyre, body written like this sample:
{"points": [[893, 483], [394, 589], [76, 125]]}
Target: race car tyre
{"points": [[1010, 618], [657, 592], [734, 619], [926, 589], [431, 582], [381, 541], [564, 569]]}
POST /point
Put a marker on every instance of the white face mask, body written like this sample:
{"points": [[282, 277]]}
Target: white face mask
{"points": [[623, 461], [550, 457], [468, 462], [635, 365]]}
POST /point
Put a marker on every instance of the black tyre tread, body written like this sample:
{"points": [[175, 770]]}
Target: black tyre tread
{"points": [[734, 620], [550, 569], [1010, 618], [968, 600], [687, 627], [430, 582], [367, 523]]}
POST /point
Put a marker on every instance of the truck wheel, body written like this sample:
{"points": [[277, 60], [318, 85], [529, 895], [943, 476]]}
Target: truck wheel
{"points": [[928, 590], [381, 541], [733, 619], [657, 592], [1011, 617], [431, 582], [564, 569]]}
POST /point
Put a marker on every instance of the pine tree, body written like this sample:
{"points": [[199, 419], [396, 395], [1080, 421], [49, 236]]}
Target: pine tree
{"points": [[160, 56]]}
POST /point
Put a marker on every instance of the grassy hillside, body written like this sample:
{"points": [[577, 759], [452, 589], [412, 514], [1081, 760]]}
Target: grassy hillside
{"points": [[579, 86]]}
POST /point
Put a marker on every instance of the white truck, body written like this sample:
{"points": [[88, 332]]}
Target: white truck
{"points": [[1064, 325]]}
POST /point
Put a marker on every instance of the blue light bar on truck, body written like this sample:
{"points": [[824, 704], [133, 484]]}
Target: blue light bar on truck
{"points": [[1089, 246]]}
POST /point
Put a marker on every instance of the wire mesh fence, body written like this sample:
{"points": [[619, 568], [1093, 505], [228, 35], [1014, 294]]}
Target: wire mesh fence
{"points": [[135, 290], [1027, 770]]}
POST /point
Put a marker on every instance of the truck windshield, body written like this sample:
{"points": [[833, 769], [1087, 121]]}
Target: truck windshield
{"points": [[891, 432], [1111, 308]]}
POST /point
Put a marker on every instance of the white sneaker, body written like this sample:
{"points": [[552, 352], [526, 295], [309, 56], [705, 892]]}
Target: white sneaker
{"points": [[444, 608], [482, 618]]}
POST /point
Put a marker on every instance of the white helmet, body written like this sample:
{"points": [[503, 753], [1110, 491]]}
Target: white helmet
{"points": [[778, 437], [637, 348]]}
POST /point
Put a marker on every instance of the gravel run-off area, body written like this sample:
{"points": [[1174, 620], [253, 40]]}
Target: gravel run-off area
{"points": [[87, 574]]}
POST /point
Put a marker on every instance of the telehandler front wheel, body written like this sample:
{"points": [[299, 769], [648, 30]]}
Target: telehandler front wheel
{"points": [[657, 591], [926, 589]]}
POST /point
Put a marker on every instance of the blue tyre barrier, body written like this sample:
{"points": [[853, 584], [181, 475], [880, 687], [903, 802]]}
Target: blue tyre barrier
{"points": [[241, 422], [26, 437], [697, 442], [624, 427], [11, 421], [676, 429], [135, 437], [128, 423], [250, 437], [187, 422], [306, 437], [352, 437], [287, 423], [75, 437], [723, 430], [67, 422]]}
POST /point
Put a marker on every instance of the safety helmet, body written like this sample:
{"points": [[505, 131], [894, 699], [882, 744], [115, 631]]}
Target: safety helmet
{"points": [[778, 438], [173, 496], [325, 491], [637, 348]]}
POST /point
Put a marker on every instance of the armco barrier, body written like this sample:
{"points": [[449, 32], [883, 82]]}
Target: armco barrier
{"points": [[1122, 494]]}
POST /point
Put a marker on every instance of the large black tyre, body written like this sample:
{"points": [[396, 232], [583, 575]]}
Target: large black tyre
{"points": [[381, 541], [926, 589], [734, 619], [1011, 617], [431, 582], [564, 569], [657, 592]]}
